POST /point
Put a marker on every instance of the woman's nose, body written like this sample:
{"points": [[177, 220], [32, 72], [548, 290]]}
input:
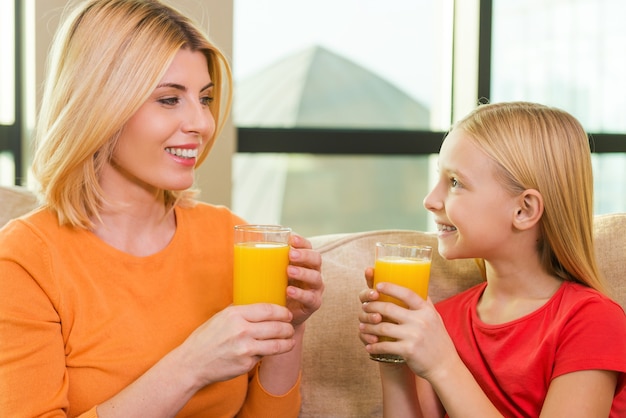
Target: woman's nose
{"points": [[200, 120]]}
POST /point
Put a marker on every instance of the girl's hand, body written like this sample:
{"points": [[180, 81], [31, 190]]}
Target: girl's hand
{"points": [[304, 293], [420, 335], [366, 296]]}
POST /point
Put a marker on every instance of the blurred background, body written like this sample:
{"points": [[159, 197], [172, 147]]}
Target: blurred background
{"points": [[340, 106]]}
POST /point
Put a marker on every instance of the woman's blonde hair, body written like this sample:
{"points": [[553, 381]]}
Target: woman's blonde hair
{"points": [[107, 58], [546, 149]]}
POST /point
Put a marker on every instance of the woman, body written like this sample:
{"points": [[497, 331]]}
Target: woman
{"points": [[539, 337], [116, 295]]}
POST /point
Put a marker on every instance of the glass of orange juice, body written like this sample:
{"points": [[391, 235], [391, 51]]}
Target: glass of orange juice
{"points": [[261, 257], [404, 265]]}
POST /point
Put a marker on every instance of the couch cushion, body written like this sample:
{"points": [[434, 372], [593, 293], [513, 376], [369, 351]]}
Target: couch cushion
{"points": [[14, 202]]}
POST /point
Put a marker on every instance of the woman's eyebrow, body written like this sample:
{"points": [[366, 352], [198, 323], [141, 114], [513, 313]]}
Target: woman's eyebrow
{"points": [[173, 86], [181, 87]]}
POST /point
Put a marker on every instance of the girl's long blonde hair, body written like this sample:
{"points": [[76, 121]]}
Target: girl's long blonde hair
{"points": [[546, 149], [106, 59]]}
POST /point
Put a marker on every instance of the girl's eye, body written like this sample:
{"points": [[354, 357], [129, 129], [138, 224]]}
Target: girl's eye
{"points": [[169, 101], [454, 182], [206, 100]]}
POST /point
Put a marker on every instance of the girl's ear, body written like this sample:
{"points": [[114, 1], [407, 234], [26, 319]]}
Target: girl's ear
{"points": [[529, 210]]}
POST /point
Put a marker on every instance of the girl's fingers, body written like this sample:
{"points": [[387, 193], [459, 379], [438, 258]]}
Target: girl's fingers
{"points": [[410, 298], [370, 318], [369, 276], [368, 295]]}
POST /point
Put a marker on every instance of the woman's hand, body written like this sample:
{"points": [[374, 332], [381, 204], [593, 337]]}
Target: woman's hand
{"points": [[234, 340], [420, 335], [304, 293]]}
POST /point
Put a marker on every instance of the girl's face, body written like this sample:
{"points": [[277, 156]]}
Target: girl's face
{"points": [[474, 213], [159, 145]]}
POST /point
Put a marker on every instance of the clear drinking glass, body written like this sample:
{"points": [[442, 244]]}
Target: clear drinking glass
{"points": [[261, 257], [404, 265]]}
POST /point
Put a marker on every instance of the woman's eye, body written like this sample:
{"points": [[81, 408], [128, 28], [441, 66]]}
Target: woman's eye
{"points": [[169, 101], [206, 100]]}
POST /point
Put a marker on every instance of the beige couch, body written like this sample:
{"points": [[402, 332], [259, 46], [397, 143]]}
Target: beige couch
{"points": [[339, 380]]}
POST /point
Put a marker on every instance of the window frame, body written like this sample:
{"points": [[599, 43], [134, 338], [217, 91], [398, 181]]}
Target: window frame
{"points": [[338, 141]]}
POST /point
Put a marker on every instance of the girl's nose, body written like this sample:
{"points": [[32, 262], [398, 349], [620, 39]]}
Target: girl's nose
{"points": [[431, 202]]}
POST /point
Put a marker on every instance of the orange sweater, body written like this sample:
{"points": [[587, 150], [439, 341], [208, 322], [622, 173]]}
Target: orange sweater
{"points": [[80, 320]]}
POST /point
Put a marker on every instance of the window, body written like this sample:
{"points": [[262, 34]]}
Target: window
{"points": [[342, 64], [7, 86], [347, 91], [563, 53], [7, 54], [331, 176], [10, 99], [566, 53]]}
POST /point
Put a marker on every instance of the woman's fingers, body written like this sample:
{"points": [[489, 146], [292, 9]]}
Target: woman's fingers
{"points": [[261, 312]]}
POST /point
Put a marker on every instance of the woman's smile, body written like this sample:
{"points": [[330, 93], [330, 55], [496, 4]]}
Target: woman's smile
{"points": [[185, 155]]}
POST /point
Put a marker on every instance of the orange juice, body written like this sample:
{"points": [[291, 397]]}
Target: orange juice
{"points": [[260, 273], [404, 265], [412, 273]]}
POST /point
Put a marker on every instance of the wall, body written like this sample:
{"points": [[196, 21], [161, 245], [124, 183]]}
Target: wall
{"points": [[214, 177]]}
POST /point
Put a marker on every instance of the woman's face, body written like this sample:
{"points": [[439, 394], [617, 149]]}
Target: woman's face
{"points": [[473, 211], [159, 145]]}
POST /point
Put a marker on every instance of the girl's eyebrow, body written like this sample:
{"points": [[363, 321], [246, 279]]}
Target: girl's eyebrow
{"points": [[449, 171]]}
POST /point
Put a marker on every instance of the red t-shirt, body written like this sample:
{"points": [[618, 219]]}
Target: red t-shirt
{"points": [[514, 363]]}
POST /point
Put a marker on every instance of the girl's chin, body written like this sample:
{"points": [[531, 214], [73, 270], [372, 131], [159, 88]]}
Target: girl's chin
{"points": [[448, 253]]}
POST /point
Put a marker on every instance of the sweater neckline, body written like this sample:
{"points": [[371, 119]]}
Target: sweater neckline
{"points": [[115, 252]]}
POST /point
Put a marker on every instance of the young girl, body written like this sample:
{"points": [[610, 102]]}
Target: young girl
{"points": [[116, 295], [539, 337]]}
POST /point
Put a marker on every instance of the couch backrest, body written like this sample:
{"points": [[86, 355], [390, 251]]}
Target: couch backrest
{"points": [[610, 242], [14, 202], [339, 380]]}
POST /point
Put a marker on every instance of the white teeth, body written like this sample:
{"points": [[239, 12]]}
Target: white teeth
{"points": [[183, 152], [445, 227]]}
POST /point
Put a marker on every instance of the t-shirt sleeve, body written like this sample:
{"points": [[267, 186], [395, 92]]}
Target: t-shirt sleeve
{"points": [[594, 338], [262, 404]]}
